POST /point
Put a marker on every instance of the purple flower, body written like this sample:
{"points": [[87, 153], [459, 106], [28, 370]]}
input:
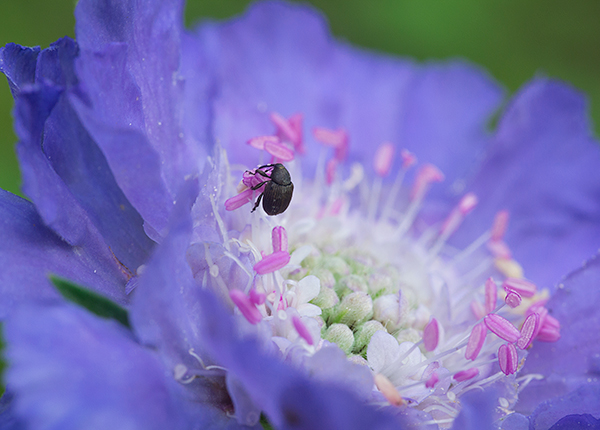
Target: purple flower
{"points": [[367, 303]]}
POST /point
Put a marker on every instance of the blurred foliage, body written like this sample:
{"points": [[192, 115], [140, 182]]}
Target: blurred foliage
{"points": [[513, 39]]}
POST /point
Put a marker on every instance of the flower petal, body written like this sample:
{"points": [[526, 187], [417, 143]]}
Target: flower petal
{"points": [[441, 110], [30, 251], [543, 168], [584, 400], [151, 32], [53, 349], [571, 360]]}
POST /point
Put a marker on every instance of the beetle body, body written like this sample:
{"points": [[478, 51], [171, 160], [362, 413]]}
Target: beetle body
{"points": [[278, 189]]}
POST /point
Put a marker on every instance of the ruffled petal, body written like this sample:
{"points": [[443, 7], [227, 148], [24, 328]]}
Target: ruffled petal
{"points": [[30, 252], [543, 168], [64, 173], [109, 104], [18, 64], [72, 370], [150, 33]]}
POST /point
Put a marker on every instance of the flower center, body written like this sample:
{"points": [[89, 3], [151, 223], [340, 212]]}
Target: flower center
{"points": [[351, 263]]}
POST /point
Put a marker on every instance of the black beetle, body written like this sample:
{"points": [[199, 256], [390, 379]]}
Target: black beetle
{"points": [[277, 194]]}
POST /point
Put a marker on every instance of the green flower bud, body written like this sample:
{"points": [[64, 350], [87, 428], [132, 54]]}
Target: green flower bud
{"points": [[362, 336], [341, 335]]}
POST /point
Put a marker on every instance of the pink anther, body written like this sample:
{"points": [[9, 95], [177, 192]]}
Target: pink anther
{"points": [[295, 122], [477, 309], [522, 286], [328, 137], [457, 215], [251, 179], [284, 128], [279, 151], [529, 328], [302, 330], [499, 249], [272, 262], [248, 310], [279, 239], [476, 341], [432, 380], [257, 298], [427, 175], [513, 299], [491, 295], [408, 158], [502, 328], [260, 141], [238, 200], [548, 334], [508, 358], [499, 225], [465, 375], [383, 159], [431, 335]]}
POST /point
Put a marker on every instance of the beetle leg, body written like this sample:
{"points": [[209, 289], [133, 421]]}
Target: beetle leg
{"points": [[257, 202], [261, 173], [257, 186]]}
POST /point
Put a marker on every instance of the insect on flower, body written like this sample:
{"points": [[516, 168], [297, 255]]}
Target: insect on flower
{"points": [[278, 188]]}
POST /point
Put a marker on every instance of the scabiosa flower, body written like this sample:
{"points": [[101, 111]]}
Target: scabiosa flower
{"points": [[390, 293]]}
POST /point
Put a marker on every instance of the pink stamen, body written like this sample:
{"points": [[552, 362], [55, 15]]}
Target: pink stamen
{"points": [[302, 330], [383, 159], [499, 225], [522, 286], [548, 334], [513, 299], [257, 298], [335, 138], [465, 375], [457, 215], [251, 179], [330, 170], [427, 175], [542, 313], [433, 379], [477, 309], [284, 128], [247, 309], [328, 137], [408, 158], [550, 321], [295, 122], [431, 335], [530, 326], [476, 341], [260, 141], [238, 200], [272, 262], [502, 328], [508, 358], [279, 151], [279, 239], [491, 295], [499, 249]]}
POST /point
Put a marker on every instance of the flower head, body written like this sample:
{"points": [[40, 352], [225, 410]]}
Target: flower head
{"points": [[389, 292]]}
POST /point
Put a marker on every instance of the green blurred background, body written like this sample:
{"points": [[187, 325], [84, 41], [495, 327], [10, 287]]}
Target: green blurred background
{"points": [[513, 39]]}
